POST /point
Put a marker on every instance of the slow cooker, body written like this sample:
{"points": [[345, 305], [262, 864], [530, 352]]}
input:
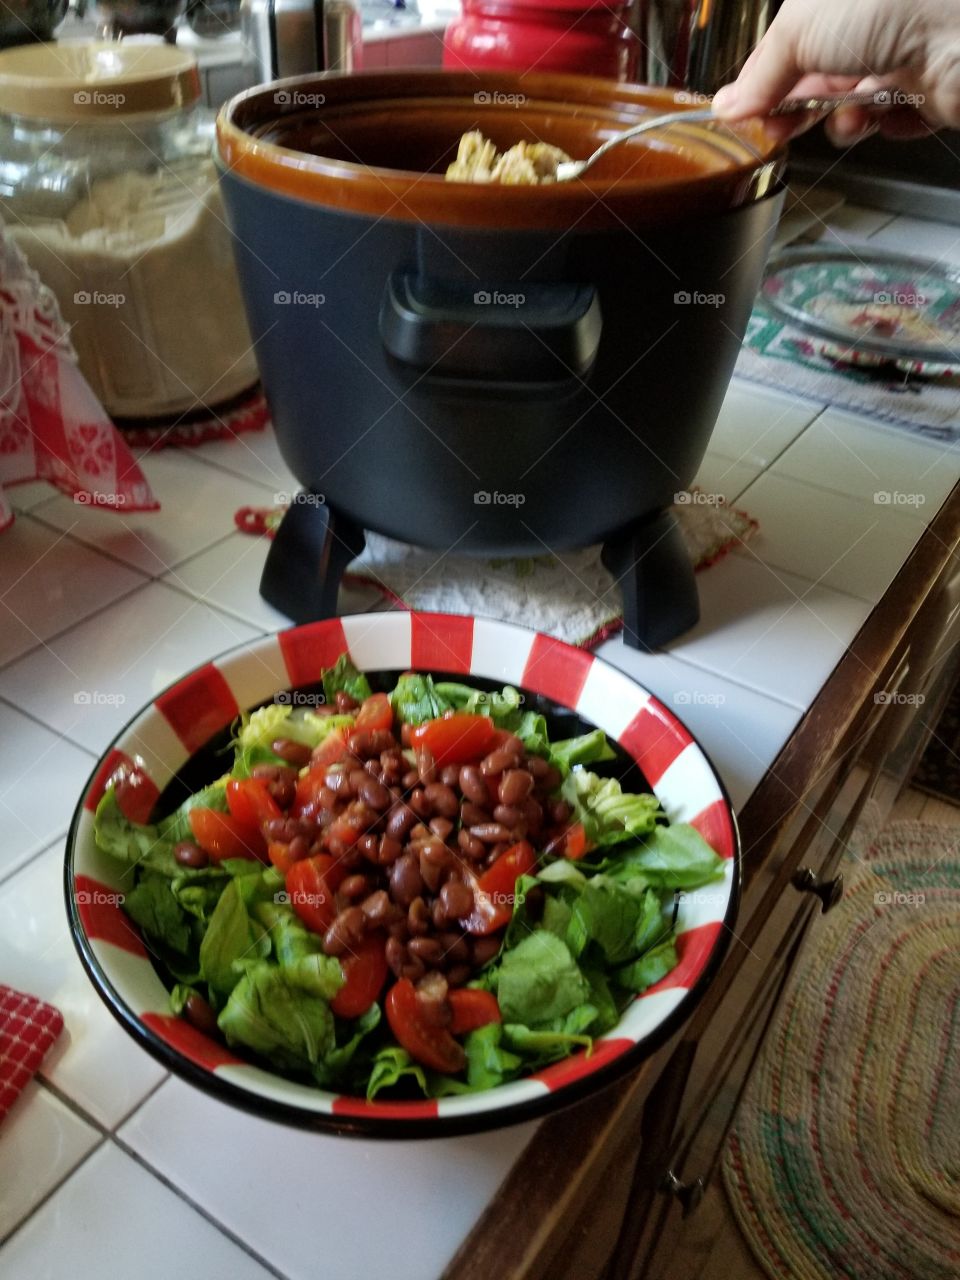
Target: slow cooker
{"points": [[503, 370]]}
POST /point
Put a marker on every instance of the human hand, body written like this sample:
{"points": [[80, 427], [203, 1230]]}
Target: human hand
{"points": [[907, 51]]}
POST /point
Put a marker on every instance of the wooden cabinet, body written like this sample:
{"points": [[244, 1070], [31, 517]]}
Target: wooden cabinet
{"points": [[604, 1187]]}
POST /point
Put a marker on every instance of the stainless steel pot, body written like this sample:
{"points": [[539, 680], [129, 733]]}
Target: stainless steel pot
{"points": [[293, 37]]}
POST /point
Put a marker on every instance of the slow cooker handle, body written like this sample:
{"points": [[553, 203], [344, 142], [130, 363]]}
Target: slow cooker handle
{"points": [[521, 333]]}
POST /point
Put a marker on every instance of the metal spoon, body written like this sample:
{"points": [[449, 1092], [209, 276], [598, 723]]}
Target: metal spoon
{"points": [[569, 169]]}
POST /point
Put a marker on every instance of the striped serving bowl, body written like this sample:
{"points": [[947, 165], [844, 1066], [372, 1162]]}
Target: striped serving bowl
{"points": [[165, 736]]}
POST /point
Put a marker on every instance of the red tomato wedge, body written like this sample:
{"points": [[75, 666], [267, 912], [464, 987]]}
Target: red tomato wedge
{"points": [[375, 713], [427, 1044], [365, 972], [329, 751], [310, 886], [250, 802], [493, 892], [457, 739], [221, 835], [472, 1009], [575, 842], [310, 783]]}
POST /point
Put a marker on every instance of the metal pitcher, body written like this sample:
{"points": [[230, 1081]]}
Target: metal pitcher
{"points": [[292, 37]]}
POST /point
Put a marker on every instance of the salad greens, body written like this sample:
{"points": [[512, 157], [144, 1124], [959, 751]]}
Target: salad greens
{"points": [[584, 939]]}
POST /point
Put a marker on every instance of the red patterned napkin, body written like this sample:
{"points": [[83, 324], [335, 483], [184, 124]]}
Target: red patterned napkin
{"points": [[52, 427], [28, 1028]]}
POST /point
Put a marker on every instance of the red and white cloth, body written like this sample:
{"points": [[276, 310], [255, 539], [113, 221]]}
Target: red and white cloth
{"points": [[28, 1027], [52, 427]]}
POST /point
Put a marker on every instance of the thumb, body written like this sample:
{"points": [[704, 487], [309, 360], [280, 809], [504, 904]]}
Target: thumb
{"points": [[767, 77]]}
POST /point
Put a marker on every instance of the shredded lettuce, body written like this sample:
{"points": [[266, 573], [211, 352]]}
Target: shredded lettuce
{"points": [[344, 677], [609, 816], [260, 729]]}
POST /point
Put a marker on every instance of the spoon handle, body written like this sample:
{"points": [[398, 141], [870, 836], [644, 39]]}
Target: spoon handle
{"points": [[874, 98]]}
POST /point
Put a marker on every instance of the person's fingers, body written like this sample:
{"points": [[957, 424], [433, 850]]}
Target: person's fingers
{"points": [[768, 75], [848, 125]]}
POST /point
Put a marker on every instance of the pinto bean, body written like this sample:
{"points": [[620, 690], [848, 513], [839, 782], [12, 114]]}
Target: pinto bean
{"points": [[456, 898], [406, 882], [490, 832], [426, 766], [345, 932], [442, 799], [374, 793], [515, 786], [295, 753], [498, 761], [189, 854], [473, 785]]}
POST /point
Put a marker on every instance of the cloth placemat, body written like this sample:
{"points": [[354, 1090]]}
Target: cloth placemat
{"points": [[774, 354], [28, 1027], [52, 427], [571, 595]]}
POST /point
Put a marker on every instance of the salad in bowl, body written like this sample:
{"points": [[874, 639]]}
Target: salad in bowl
{"points": [[390, 895]]}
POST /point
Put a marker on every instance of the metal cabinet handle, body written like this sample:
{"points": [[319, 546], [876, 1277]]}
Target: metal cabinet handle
{"points": [[828, 891], [688, 1193]]}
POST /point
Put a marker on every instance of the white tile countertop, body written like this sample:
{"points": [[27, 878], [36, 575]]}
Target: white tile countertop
{"points": [[110, 1166]]}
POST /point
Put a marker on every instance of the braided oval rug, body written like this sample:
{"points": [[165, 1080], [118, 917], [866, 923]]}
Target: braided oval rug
{"points": [[844, 1161]]}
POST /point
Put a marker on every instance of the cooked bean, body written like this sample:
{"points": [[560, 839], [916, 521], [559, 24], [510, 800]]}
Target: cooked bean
{"points": [[436, 1011], [426, 949], [357, 778], [484, 949], [559, 810], [490, 832], [378, 908], [456, 949], [355, 886], [409, 779], [200, 1014], [472, 814], [389, 850], [442, 828], [426, 766], [399, 821], [266, 772], [368, 845], [295, 753], [414, 969], [551, 779], [459, 974], [437, 914], [345, 702], [537, 766], [418, 918], [299, 847], [396, 954], [419, 803], [515, 786], [405, 732], [508, 815], [370, 742], [472, 847], [450, 775], [373, 767], [345, 932], [418, 833], [442, 799], [498, 761], [497, 851], [406, 882], [398, 927], [283, 829], [532, 812], [339, 782], [374, 793], [473, 785], [433, 873], [456, 899], [189, 854], [282, 792]]}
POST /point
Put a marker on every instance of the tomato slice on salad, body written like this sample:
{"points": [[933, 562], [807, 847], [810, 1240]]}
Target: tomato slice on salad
{"points": [[472, 1009], [221, 835], [364, 972], [375, 712], [493, 892], [311, 884], [457, 739], [250, 802], [430, 1045]]}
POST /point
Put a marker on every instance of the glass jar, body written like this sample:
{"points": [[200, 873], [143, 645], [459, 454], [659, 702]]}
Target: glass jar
{"points": [[107, 184]]}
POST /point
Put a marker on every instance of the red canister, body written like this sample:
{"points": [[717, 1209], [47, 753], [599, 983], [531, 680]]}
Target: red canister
{"points": [[589, 37]]}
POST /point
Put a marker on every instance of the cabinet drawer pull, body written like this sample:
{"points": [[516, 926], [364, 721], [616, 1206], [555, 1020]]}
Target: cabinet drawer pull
{"points": [[688, 1193], [828, 891]]}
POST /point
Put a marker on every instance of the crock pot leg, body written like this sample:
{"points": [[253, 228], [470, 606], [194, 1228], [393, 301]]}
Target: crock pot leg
{"points": [[307, 558], [650, 563]]}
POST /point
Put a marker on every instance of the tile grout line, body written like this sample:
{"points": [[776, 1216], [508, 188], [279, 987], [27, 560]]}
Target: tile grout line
{"points": [[122, 1145], [44, 1199]]}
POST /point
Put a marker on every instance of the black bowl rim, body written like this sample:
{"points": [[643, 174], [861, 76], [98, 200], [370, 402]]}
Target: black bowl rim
{"points": [[436, 1126]]}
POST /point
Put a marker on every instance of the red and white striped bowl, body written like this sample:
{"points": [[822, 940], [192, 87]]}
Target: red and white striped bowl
{"points": [[166, 733]]}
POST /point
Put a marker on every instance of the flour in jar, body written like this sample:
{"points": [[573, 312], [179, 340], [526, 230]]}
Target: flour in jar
{"points": [[143, 270]]}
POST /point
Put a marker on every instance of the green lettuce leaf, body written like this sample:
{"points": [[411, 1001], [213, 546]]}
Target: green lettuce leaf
{"points": [[260, 729], [609, 816], [390, 1065], [152, 906], [588, 748], [131, 842], [344, 677], [605, 915], [538, 1047], [232, 936], [278, 1019], [488, 1063], [416, 699], [539, 980], [674, 857], [650, 968]]}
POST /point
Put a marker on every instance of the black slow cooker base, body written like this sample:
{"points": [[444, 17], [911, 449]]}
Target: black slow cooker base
{"points": [[315, 543]]}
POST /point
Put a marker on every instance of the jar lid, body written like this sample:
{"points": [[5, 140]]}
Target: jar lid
{"points": [[96, 79]]}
